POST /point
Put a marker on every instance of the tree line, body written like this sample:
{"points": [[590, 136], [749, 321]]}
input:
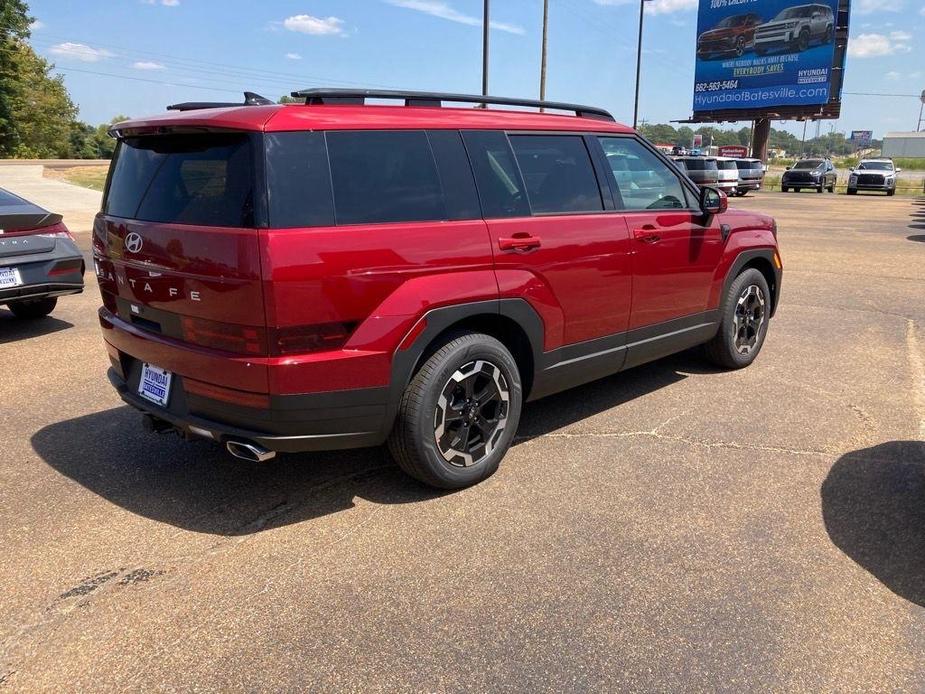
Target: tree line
{"points": [[38, 119], [832, 144]]}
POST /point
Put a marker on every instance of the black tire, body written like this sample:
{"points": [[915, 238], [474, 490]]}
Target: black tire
{"points": [[784, 189], [740, 47], [736, 331], [832, 188], [414, 441], [852, 191], [829, 35], [30, 309], [891, 193], [802, 42], [820, 188]]}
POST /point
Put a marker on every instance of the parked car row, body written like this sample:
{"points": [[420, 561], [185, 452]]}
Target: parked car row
{"points": [[793, 29], [731, 175], [820, 175]]}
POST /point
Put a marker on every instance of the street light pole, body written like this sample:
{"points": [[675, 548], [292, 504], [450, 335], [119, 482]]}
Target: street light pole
{"points": [[543, 51], [485, 30], [642, 7]]}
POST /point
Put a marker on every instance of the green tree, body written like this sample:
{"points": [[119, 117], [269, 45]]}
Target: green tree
{"points": [[14, 28], [41, 113]]}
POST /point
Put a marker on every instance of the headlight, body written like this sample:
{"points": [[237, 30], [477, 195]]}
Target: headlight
{"points": [[853, 178]]}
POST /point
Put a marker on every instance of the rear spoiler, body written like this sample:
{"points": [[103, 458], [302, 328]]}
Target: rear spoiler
{"points": [[250, 99], [27, 221]]}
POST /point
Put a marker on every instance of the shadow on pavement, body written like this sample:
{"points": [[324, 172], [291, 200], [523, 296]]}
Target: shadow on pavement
{"points": [[873, 505], [195, 485], [916, 237], [13, 329]]}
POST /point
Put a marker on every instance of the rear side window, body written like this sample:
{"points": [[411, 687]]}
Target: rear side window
{"points": [[501, 189], [558, 173], [384, 177], [206, 180], [298, 180]]}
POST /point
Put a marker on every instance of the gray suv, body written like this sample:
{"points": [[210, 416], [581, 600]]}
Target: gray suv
{"points": [[701, 170], [751, 175], [795, 28]]}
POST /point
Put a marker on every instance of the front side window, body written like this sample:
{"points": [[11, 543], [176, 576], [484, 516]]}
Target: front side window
{"points": [[384, 177], [644, 181], [206, 180], [558, 173]]}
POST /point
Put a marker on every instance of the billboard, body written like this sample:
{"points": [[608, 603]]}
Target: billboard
{"points": [[861, 138], [768, 55], [737, 151]]}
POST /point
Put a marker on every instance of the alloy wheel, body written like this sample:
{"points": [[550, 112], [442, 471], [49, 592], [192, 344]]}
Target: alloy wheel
{"points": [[471, 413], [749, 317]]}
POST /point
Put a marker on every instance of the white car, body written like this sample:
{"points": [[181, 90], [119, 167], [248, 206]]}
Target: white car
{"points": [[728, 179], [873, 174]]}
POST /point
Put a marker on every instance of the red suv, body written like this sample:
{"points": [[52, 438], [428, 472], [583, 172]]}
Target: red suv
{"points": [[337, 274]]}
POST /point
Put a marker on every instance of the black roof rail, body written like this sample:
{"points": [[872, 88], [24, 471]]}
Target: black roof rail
{"points": [[250, 99], [359, 96]]}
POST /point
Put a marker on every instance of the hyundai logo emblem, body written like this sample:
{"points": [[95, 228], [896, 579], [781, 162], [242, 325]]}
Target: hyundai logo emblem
{"points": [[134, 242]]}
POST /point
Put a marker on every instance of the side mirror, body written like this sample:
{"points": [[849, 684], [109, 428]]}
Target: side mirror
{"points": [[713, 201], [851, 170]]}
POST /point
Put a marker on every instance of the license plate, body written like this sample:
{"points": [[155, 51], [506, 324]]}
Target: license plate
{"points": [[9, 277], [154, 384]]}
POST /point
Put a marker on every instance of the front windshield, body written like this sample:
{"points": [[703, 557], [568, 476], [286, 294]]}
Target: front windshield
{"points": [[809, 164], [730, 22], [795, 13], [727, 165], [875, 166]]}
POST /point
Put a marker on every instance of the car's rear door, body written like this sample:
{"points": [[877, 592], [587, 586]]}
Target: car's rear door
{"points": [[555, 235], [675, 248]]}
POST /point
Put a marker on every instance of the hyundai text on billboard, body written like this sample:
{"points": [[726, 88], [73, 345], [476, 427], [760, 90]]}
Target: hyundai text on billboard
{"points": [[761, 54]]}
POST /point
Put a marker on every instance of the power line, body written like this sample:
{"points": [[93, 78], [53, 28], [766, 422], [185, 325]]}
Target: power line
{"points": [[914, 96]]}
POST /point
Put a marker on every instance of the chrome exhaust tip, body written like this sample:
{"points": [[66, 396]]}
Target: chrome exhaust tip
{"points": [[251, 452]]}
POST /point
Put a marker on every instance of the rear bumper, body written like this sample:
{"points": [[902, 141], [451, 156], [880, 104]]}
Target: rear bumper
{"points": [[749, 184], [54, 273], [290, 424]]}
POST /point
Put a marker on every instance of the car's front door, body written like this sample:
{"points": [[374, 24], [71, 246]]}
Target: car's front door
{"points": [[676, 248]]}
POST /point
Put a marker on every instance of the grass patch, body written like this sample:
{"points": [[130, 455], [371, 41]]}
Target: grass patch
{"points": [[93, 177]]}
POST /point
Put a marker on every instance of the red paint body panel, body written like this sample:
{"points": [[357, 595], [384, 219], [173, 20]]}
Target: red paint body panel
{"points": [[674, 260], [328, 117], [583, 261]]}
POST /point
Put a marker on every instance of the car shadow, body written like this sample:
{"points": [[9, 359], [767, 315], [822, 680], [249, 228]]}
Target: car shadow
{"points": [[916, 237], [873, 506], [13, 328], [197, 486]]}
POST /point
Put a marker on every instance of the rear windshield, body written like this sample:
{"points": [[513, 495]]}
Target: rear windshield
{"points": [[700, 164], [746, 164], [206, 180], [727, 166]]}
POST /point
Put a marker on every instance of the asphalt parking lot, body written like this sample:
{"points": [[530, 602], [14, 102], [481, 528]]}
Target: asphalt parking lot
{"points": [[671, 528]]}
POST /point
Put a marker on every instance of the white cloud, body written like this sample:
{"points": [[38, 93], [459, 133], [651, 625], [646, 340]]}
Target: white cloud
{"points": [[36, 25], [874, 45], [166, 3], [893, 76], [80, 51], [922, 11], [655, 6], [293, 56], [148, 65], [443, 10], [871, 6], [316, 26], [669, 6]]}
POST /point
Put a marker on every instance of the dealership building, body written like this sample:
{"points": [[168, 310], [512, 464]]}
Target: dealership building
{"points": [[909, 144]]}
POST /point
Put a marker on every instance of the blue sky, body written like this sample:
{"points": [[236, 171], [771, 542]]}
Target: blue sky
{"points": [[136, 56]]}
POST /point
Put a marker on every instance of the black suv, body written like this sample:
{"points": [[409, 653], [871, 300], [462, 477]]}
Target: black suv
{"points": [[818, 174]]}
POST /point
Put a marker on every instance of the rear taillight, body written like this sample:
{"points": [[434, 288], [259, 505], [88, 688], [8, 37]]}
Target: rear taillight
{"points": [[229, 337], [247, 339], [57, 231], [299, 339]]}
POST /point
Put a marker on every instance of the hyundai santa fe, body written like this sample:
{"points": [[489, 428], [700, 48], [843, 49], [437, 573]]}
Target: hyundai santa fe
{"points": [[335, 274]]}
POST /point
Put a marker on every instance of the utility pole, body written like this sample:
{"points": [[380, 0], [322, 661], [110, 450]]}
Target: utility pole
{"points": [[803, 143], [543, 52], [642, 7], [918, 126], [485, 30]]}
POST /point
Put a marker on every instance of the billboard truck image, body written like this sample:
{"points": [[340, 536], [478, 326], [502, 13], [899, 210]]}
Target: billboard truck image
{"points": [[757, 54]]}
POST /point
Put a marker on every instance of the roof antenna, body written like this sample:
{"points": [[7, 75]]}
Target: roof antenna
{"points": [[253, 99]]}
